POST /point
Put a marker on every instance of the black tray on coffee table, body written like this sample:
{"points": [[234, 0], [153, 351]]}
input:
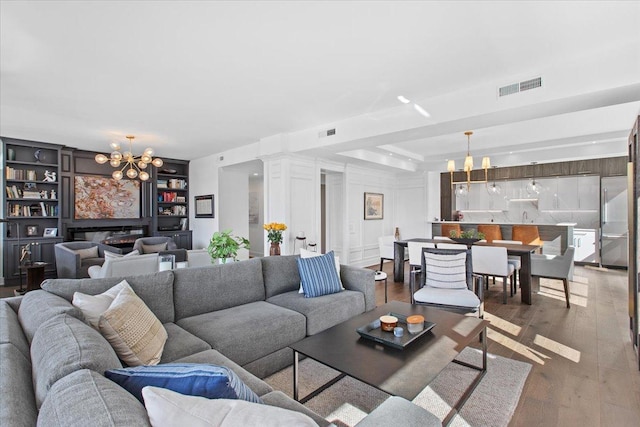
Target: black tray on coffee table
{"points": [[372, 331]]}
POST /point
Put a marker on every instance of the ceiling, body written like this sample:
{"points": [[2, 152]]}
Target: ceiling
{"points": [[195, 78]]}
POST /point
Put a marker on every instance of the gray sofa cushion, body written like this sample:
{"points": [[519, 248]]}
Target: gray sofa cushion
{"points": [[214, 357], [280, 274], [84, 398], [38, 307], [63, 345], [18, 406], [156, 290], [396, 411], [10, 330], [243, 333], [281, 400], [206, 289], [322, 312], [180, 343]]}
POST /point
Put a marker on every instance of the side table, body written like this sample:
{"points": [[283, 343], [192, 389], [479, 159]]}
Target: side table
{"points": [[380, 276], [35, 276]]}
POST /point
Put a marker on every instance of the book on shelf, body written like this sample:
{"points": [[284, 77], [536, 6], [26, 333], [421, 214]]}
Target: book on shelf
{"points": [[162, 183]]}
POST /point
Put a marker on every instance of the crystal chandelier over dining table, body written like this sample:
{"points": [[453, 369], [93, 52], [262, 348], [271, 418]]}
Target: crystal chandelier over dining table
{"points": [[135, 165]]}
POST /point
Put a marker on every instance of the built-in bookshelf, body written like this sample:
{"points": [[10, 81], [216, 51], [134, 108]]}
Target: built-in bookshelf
{"points": [[31, 205], [171, 202]]}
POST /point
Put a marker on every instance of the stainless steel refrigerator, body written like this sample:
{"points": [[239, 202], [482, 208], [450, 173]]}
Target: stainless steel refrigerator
{"points": [[614, 240]]}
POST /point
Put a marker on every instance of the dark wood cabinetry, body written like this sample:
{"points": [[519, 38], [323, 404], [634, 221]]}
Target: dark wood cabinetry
{"points": [[31, 201], [171, 202]]}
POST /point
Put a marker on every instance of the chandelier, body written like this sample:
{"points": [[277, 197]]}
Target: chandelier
{"points": [[468, 165], [135, 165]]}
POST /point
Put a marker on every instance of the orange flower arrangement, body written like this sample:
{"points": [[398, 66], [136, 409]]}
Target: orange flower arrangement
{"points": [[274, 231]]}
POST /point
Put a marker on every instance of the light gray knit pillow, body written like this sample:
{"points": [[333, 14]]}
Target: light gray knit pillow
{"points": [[446, 271]]}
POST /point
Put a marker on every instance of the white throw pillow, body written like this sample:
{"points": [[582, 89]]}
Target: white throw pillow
{"points": [[310, 254], [134, 332], [92, 306], [167, 408]]}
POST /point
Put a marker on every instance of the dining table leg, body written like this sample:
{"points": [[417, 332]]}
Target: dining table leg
{"points": [[398, 262], [525, 278]]}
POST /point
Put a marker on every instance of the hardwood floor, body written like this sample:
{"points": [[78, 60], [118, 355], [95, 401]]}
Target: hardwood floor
{"points": [[584, 370]]}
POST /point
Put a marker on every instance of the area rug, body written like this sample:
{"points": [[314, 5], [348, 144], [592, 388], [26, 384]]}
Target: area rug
{"points": [[348, 401]]}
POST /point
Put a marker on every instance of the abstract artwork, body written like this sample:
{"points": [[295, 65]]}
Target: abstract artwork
{"points": [[99, 197], [373, 206]]}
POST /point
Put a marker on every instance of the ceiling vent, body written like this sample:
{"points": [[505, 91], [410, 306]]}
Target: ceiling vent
{"points": [[328, 132], [520, 87]]}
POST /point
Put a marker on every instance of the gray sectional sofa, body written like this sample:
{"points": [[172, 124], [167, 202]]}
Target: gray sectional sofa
{"points": [[242, 315]]}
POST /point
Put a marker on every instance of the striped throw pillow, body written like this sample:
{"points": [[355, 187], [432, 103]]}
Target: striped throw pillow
{"points": [[446, 271], [318, 275]]}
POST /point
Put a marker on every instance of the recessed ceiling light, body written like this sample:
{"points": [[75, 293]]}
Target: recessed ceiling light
{"points": [[421, 110], [510, 152], [255, 174], [403, 99], [594, 142], [391, 154]]}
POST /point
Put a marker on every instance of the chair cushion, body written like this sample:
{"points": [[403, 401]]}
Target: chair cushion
{"points": [[114, 255], [133, 331], [318, 275], [446, 270], [180, 343], [150, 249], [443, 296], [87, 253], [210, 381], [167, 408]]}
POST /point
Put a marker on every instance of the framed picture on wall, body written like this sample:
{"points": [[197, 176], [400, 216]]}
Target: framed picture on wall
{"points": [[373, 206], [204, 206]]}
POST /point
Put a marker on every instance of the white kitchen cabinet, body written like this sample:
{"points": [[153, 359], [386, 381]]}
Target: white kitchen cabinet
{"points": [[584, 240], [589, 193], [571, 193]]}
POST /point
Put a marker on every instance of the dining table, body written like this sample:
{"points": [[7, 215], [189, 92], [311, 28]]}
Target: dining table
{"points": [[522, 251]]}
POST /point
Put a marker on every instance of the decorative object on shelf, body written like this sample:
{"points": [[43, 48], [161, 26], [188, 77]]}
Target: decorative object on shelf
{"points": [[53, 194], [11, 154], [373, 206], [135, 165], [396, 235], [32, 230], [468, 165], [224, 246], [49, 176], [204, 206], [50, 232], [42, 156]]}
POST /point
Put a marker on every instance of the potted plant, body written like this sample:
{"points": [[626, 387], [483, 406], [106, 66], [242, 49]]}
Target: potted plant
{"points": [[467, 236], [274, 236], [224, 246]]}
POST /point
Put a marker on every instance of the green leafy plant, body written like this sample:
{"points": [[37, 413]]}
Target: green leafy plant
{"points": [[224, 245], [467, 234]]}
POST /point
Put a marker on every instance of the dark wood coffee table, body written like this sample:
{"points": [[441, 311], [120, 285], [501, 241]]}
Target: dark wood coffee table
{"points": [[403, 373]]}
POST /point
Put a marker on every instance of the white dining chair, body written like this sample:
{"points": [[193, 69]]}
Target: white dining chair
{"points": [[515, 260], [385, 244], [492, 261], [415, 257]]}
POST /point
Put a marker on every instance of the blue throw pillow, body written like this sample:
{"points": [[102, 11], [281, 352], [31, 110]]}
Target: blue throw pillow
{"points": [[210, 381], [318, 275]]}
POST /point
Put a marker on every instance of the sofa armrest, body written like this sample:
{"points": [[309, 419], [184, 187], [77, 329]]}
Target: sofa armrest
{"points": [[362, 280]]}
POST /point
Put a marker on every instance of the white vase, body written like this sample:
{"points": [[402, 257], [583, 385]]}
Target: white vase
{"points": [[225, 260]]}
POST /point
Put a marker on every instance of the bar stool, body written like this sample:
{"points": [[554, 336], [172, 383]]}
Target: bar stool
{"points": [[446, 229], [382, 276]]}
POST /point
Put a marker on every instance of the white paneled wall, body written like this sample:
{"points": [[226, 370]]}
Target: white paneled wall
{"points": [[257, 235], [203, 179], [233, 204]]}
